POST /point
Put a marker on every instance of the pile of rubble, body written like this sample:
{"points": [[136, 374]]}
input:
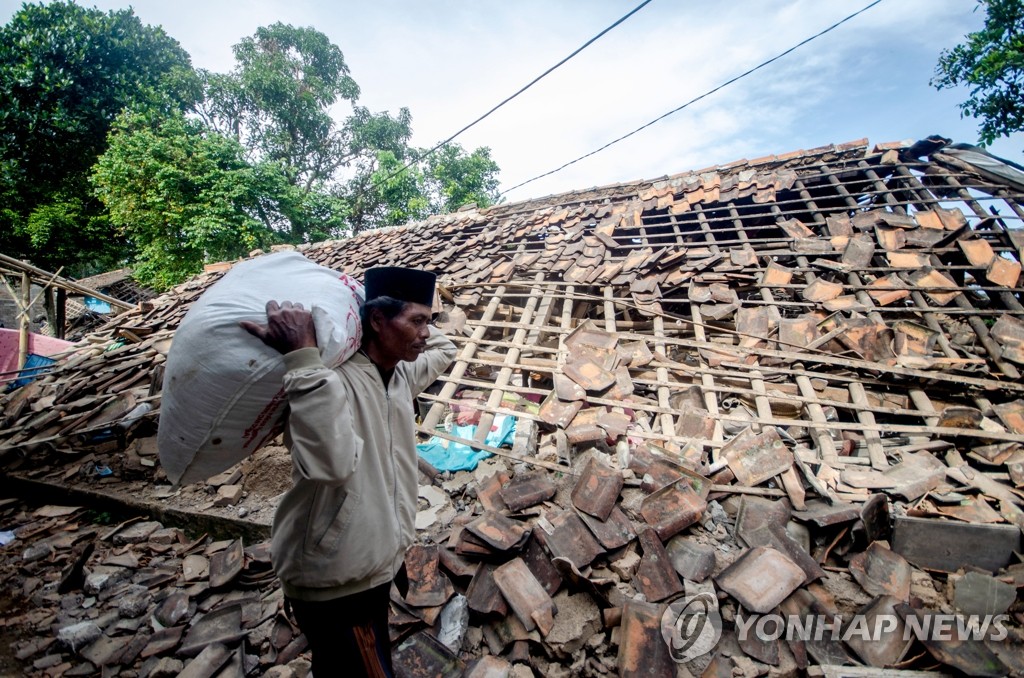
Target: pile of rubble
{"points": [[520, 571], [138, 599]]}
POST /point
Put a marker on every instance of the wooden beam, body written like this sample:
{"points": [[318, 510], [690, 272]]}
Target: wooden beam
{"points": [[58, 281]]}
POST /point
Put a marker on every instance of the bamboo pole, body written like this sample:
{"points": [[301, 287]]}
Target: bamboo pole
{"points": [[23, 322]]}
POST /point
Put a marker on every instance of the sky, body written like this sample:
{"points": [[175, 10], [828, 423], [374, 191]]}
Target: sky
{"points": [[449, 61]]}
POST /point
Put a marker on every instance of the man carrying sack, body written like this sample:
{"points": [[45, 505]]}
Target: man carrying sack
{"points": [[340, 533]]}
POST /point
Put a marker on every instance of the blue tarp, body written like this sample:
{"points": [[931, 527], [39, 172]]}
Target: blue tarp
{"points": [[35, 365], [447, 455], [97, 306]]}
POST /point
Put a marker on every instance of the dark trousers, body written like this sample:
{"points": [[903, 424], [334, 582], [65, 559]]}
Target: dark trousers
{"points": [[348, 636]]}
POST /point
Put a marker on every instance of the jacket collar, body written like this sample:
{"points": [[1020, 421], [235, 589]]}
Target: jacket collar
{"points": [[363, 360]]}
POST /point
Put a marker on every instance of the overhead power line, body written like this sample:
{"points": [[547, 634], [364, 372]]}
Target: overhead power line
{"points": [[696, 99], [533, 82]]}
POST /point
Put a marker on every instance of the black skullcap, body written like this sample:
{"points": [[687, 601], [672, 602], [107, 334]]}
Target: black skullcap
{"points": [[404, 284]]}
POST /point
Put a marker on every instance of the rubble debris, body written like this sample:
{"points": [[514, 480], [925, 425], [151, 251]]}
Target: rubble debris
{"points": [[947, 545], [761, 578], [981, 594], [881, 572]]}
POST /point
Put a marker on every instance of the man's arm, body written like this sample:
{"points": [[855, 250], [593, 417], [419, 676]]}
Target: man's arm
{"points": [[321, 429]]}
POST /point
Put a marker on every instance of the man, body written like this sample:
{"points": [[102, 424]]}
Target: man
{"points": [[340, 534]]}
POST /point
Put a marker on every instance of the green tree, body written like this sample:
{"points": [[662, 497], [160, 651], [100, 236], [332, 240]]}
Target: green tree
{"points": [[386, 192], [65, 74], [455, 178], [381, 194], [991, 63], [278, 103], [184, 195]]}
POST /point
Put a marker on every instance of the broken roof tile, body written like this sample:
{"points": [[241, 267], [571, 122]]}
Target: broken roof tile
{"points": [[428, 587], [655, 577], [760, 579], [672, 509], [754, 458], [566, 536], [525, 595], [642, 648], [527, 489], [597, 489], [558, 412], [933, 282], [691, 559], [1009, 332], [613, 533], [947, 545], [882, 572], [589, 375], [499, 532], [1003, 272]]}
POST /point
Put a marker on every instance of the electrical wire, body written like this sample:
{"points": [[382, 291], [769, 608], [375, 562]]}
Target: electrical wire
{"points": [[696, 99], [533, 82]]}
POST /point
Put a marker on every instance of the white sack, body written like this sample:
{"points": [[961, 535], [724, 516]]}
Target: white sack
{"points": [[222, 392]]}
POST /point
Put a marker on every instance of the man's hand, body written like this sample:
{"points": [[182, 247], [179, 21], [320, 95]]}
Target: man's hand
{"points": [[289, 327]]}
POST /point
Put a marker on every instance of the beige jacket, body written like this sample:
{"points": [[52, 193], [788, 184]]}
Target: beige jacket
{"points": [[347, 521]]}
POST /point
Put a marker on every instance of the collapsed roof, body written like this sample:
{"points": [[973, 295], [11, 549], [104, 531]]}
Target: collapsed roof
{"points": [[865, 300]]}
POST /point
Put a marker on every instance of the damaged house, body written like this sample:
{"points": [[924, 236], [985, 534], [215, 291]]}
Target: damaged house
{"points": [[788, 386]]}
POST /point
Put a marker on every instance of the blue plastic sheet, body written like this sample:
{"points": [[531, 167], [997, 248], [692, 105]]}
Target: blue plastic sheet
{"points": [[447, 455], [97, 306], [35, 365]]}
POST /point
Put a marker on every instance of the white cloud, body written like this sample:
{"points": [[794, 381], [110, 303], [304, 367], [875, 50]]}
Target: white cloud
{"points": [[450, 61]]}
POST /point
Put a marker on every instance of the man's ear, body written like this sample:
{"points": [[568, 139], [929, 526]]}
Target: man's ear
{"points": [[376, 320]]}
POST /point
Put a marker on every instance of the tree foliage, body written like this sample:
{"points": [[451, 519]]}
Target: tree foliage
{"points": [[65, 74], [114, 151], [183, 195], [455, 178], [991, 63], [392, 190], [277, 102]]}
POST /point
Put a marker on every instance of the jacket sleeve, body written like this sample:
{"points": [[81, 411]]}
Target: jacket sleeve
{"points": [[439, 354], [321, 427]]}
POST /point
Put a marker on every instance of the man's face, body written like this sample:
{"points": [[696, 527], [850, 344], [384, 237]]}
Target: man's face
{"points": [[403, 337]]}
